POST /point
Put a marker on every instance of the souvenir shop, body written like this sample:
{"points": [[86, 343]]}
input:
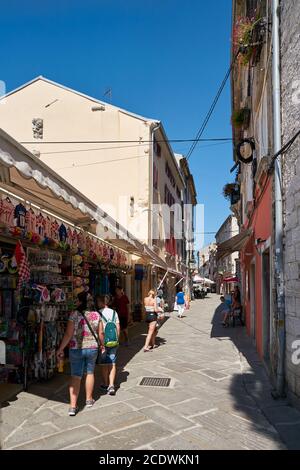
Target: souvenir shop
{"points": [[51, 249], [44, 264]]}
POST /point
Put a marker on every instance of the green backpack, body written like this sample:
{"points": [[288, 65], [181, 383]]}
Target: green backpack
{"points": [[110, 332]]}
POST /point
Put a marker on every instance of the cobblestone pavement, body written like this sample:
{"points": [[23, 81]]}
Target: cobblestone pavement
{"points": [[219, 397]]}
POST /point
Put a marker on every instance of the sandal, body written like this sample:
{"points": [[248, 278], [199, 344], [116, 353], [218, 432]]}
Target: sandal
{"points": [[147, 350]]}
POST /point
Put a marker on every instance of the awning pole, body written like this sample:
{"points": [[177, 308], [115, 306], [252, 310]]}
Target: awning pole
{"points": [[162, 280], [179, 282]]}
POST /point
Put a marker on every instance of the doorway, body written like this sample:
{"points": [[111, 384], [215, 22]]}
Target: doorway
{"points": [[266, 303], [252, 298]]}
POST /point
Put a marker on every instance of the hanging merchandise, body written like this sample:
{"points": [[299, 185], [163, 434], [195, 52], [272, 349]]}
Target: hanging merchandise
{"points": [[20, 216], [54, 231], [23, 266], [7, 212], [47, 227], [62, 233], [30, 221], [40, 225]]}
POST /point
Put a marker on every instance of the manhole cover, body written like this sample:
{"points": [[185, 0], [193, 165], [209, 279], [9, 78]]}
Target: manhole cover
{"points": [[155, 382]]}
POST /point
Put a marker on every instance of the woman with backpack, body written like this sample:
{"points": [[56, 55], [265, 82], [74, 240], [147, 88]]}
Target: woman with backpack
{"points": [[110, 332], [84, 349]]}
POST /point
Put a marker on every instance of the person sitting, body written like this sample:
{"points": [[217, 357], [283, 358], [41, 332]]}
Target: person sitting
{"points": [[237, 304]]}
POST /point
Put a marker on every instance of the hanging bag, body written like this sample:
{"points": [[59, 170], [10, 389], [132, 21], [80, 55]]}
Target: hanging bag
{"points": [[99, 357]]}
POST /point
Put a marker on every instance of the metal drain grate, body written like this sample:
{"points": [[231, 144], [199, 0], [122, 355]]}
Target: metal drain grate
{"points": [[155, 381]]}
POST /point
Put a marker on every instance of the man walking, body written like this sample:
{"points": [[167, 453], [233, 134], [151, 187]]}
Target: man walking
{"points": [[120, 304], [180, 301]]}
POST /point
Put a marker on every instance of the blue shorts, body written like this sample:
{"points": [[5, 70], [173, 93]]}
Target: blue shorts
{"points": [[110, 356], [82, 361]]}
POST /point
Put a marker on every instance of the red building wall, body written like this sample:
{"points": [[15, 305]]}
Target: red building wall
{"points": [[261, 223]]}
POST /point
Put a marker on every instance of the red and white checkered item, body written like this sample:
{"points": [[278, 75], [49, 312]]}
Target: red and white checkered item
{"points": [[23, 266]]}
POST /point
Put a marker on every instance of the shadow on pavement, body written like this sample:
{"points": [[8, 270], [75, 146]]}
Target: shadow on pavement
{"points": [[56, 388], [251, 389]]}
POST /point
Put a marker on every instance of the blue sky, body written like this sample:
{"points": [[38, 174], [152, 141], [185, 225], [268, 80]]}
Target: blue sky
{"points": [[163, 59]]}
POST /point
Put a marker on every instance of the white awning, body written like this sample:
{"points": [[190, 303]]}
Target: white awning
{"points": [[28, 177]]}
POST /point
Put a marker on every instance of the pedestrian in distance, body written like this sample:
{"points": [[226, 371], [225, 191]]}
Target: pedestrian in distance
{"points": [[180, 302], [121, 303], [151, 309], [84, 349], [110, 333]]}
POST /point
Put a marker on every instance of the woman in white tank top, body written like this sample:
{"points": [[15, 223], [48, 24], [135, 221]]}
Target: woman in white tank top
{"points": [[151, 318]]}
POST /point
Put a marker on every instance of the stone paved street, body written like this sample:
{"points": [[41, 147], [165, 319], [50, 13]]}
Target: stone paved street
{"points": [[219, 397]]}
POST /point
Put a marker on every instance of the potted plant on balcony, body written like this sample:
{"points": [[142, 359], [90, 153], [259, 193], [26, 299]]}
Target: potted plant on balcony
{"points": [[231, 192], [248, 38], [241, 118]]}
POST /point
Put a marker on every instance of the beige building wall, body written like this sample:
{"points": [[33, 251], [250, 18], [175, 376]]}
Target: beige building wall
{"points": [[107, 173]]}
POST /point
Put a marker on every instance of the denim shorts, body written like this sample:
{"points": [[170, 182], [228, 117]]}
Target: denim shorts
{"points": [[82, 361], [110, 356]]}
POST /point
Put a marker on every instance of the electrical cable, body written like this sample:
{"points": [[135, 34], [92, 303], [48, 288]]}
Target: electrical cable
{"points": [[113, 148], [211, 109], [284, 149], [124, 141]]}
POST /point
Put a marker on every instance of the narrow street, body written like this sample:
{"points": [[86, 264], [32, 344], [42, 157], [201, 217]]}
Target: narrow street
{"points": [[218, 398]]}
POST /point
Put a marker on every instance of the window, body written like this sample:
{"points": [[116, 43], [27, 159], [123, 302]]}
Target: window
{"points": [[157, 148], [155, 177], [251, 7], [169, 199], [170, 175]]}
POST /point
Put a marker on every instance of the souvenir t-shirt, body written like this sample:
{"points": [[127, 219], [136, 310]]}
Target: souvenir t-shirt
{"points": [[7, 212], [48, 227], [62, 233], [40, 225], [30, 221], [82, 337], [20, 215], [54, 230]]}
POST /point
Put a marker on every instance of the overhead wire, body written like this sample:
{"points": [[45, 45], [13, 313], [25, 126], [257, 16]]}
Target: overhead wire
{"points": [[58, 152], [141, 141], [211, 109]]}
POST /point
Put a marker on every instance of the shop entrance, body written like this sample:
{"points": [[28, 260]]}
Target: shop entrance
{"points": [[252, 300], [266, 302]]}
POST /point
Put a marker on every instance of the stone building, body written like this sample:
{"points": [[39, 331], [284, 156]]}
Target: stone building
{"points": [[290, 109], [266, 111]]}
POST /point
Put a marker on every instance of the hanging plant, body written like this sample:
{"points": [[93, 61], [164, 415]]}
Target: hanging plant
{"points": [[241, 118], [248, 37], [229, 189]]}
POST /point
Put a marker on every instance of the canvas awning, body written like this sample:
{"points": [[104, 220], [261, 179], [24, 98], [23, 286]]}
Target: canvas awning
{"points": [[235, 243], [231, 279], [152, 257], [28, 177]]}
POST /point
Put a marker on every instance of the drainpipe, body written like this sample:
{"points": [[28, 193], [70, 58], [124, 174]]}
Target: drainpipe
{"points": [[150, 211], [279, 265]]}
